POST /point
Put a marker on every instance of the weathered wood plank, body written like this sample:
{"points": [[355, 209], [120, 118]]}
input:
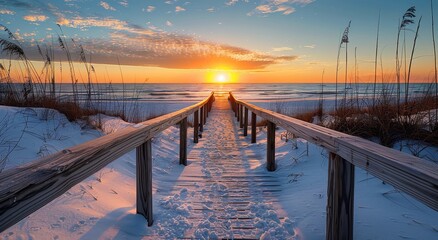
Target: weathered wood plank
{"points": [[340, 199], [183, 142], [27, 188], [245, 122], [415, 176], [253, 127], [144, 181], [270, 151]]}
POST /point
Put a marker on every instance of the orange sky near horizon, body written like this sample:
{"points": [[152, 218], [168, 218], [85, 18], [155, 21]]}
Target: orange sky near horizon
{"points": [[297, 73]]}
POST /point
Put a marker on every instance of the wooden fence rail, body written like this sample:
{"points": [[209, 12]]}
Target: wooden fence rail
{"points": [[412, 175], [27, 188]]}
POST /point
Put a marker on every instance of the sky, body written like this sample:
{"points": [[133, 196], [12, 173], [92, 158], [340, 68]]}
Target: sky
{"points": [[197, 41]]}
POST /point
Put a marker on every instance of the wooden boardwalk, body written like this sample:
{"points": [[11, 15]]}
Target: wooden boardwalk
{"points": [[227, 199]]}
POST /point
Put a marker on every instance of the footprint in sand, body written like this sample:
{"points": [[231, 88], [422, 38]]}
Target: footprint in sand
{"points": [[74, 228], [55, 225]]}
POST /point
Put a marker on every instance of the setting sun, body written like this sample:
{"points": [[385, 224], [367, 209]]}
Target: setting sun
{"points": [[221, 78]]}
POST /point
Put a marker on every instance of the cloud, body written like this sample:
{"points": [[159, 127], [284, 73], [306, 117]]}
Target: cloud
{"points": [[6, 12], [169, 23], [231, 2], [178, 52], [211, 9], [310, 46], [179, 9], [284, 7], [266, 9], [282, 49], [150, 9], [162, 49], [110, 23], [106, 6], [124, 3], [32, 34], [35, 18]]}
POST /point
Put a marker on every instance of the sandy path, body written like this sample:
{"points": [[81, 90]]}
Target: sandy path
{"points": [[218, 194]]}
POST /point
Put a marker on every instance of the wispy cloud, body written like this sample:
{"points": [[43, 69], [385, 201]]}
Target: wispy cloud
{"points": [[153, 47], [310, 46], [169, 23], [180, 52], [284, 7], [282, 49], [150, 9], [231, 2], [124, 3], [35, 18], [109, 23], [211, 9], [107, 6], [179, 9], [6, 12]]}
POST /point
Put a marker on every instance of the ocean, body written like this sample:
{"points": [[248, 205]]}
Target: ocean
{"points": [[245, 91]]}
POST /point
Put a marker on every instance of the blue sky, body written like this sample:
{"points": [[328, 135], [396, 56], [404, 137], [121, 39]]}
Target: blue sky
{"points": [[279, 36]]}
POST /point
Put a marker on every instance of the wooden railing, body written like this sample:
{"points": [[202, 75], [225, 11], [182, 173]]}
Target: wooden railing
{"points": [[27, 188], [412, 175]]}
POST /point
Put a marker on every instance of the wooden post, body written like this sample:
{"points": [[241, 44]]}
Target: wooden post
{"points": [[201, 115], [245, 123], [270, 151], [183, 142], [253, 127], [144, 181], [238, 112], [196, 126], [340, 199], [235, 107], [241, 116]]}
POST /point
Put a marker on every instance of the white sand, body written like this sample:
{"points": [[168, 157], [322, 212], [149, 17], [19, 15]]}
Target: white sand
{"points": [[103, 206]]}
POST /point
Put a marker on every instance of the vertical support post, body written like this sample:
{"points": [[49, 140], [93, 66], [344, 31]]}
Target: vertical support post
{"points": [[253, 127], [340, 199], [183, 142], [201, 115], [196, 126], [241, 115], [235, 109], [270, 151], [245, 122], [144, 181], [238, 112]]}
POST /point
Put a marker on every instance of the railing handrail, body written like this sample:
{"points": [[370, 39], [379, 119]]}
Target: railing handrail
{"points": [[414, 176], [27, 188]]}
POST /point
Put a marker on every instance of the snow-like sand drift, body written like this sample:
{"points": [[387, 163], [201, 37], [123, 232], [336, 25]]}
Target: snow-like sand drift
{"points": [[103, 206]]}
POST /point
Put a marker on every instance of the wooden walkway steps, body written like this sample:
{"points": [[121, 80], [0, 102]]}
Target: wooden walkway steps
{"points": [[222, 189]]}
